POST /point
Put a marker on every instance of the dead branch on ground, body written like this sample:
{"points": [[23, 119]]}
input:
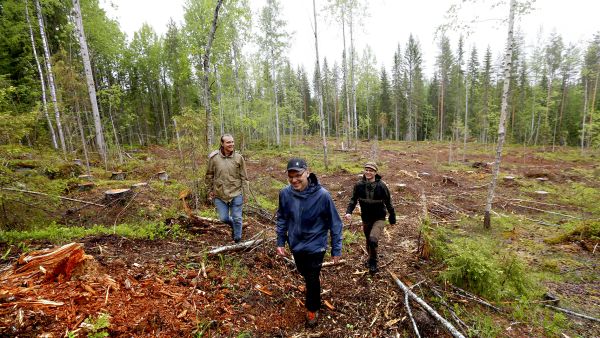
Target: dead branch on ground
{"points": [[572, 313], [426, 306], [415, 327], [235, 247], [47, 195]]}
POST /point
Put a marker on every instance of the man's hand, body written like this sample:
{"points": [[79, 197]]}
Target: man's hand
{"points": [[336, 259], [348, 217], [281, 251], [211, 195]]}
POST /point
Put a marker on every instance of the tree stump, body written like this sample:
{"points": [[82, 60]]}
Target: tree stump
{"points": [[162, 175], [542, 179], [541, 192], [85, 177], [424, 174], [509, 178], [139, 185], [449, 180], [400, 186], [86, 186], [114, 195], [118, 175]]}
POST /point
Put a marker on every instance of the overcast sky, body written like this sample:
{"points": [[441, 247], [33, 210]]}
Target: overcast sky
{"points": [[387, 23]]}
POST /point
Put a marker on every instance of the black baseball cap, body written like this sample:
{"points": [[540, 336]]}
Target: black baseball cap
{"points": [[297, 164]]}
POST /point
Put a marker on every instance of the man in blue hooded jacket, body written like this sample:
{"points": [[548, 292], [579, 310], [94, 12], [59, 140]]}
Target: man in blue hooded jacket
{"points": [[305, 217]]}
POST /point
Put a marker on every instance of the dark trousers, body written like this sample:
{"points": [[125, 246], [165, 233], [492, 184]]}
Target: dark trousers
{"points": [[309, 266], [373, 232]]}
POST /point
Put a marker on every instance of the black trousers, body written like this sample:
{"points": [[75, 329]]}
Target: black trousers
{"points": [[309, 266]]}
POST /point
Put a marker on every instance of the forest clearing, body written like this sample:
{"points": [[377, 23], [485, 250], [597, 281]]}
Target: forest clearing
{"points": [[112, 189], [150, 272]]}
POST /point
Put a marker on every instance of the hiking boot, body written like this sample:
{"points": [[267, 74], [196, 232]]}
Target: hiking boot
{"points": [[312, 319], [373, 267], [237, 240]]}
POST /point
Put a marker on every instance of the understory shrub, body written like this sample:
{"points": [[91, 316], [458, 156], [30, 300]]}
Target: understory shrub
{"points": [[480, 266]]}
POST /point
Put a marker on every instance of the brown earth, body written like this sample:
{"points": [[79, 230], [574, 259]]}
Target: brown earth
{"points": [[160, 288]]}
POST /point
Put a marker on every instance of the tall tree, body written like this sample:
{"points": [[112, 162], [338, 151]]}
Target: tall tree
{"points": [[87, 67], [42, 81], [319, 89], [273, 43], [503, 113], [50, 75]]}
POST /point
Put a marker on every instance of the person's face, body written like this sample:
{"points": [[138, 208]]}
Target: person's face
{"points": [[370, 174], [228, 144], [298, 179]]}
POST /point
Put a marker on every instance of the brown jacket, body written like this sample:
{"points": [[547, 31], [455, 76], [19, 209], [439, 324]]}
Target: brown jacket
{"points": [[226, 175]]}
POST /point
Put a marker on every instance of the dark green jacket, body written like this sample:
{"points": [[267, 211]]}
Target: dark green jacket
{"points": [[372, 209]]}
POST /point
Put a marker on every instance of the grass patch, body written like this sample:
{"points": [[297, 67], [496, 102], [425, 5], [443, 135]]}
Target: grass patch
{"points": [[57, 233], [577, 231]]}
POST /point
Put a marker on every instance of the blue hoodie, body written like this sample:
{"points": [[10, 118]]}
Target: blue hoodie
{"points": [[305, 217]]}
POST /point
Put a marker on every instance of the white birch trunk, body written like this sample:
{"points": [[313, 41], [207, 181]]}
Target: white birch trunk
{"points": [[50, 75], [42, 81], [319, 90], [274, 78], [206, 67], [503, 113], [87, 67], [354, 114]]}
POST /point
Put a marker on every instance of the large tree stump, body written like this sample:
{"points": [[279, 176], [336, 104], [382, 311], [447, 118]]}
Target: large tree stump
{"points": [[77, 161], [118, 175], [85, 177], [114, 195]]}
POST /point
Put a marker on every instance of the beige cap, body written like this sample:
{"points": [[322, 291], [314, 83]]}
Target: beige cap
{"points": [[371, 165]]}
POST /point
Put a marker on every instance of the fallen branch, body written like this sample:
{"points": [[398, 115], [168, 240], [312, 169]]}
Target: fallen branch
{"points": [[573, 313], [426, 306], [47, 195], [472, 297], [542, 210], [234, 247], [454, 316], [332, 263], [411, 316]]}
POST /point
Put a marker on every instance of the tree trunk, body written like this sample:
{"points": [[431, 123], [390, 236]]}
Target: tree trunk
{"points": [[274, 78], [117, 143], [585, 102], [503, 113], [206, 66], [354, 113], [90, 81], [42, 81], [50, 75], [319, 91], [221, 118], [345, 71]]}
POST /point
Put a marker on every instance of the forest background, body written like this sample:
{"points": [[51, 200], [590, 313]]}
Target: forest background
{"points": [[150, 91]]}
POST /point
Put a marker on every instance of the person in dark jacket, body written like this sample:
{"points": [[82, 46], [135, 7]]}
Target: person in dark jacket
{"points": [[305, 216], [374, 198]]}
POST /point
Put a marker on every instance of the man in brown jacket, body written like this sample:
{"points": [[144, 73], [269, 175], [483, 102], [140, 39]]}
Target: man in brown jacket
{"points": [[227, 184]]}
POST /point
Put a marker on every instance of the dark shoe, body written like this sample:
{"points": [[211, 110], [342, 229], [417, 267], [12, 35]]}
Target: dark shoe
{"points": [[312, 319], [373, 267], [237, 240]]}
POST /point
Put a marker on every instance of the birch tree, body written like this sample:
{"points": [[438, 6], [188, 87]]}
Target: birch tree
{"points": [[503, 114], [87, 67], [50, 75], [42, 81], [273, 43], [319, 89]]}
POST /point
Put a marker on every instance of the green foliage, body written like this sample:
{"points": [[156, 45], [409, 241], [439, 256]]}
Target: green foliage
{"points": [[59, 234], [485, 327], [554, 324], [577, 231], [479, 265], [96, 326], [351, 237]]}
